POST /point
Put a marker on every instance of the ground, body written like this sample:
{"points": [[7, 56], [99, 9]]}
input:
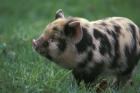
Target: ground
{"points": [[22, 70]]}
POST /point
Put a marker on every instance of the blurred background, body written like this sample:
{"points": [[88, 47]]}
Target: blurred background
{"points": [[24, 71]]}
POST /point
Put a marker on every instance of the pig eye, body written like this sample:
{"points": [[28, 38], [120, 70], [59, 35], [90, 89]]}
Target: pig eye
{"points": [[55, 28], [45, 44]]}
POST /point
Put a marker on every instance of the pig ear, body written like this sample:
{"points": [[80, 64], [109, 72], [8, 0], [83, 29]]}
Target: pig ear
{"points": [[59, 14], [74, 31]]}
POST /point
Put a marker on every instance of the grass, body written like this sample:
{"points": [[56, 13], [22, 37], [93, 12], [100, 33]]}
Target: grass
{"points": [[24, 71]]}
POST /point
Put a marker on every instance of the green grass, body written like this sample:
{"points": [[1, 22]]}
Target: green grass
{"points": [[24, 71]]}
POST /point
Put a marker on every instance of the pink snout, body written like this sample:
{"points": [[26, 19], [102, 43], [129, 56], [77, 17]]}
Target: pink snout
{"points": [[34, 43]]}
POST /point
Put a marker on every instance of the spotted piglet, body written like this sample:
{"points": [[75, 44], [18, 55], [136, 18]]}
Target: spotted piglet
{"points": [[90, 48]]}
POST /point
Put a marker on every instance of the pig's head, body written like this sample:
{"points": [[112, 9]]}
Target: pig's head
{"points": [[58, 40]]}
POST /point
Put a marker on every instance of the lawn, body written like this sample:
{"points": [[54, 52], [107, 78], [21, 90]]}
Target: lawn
{"points": [[22, 70]]}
